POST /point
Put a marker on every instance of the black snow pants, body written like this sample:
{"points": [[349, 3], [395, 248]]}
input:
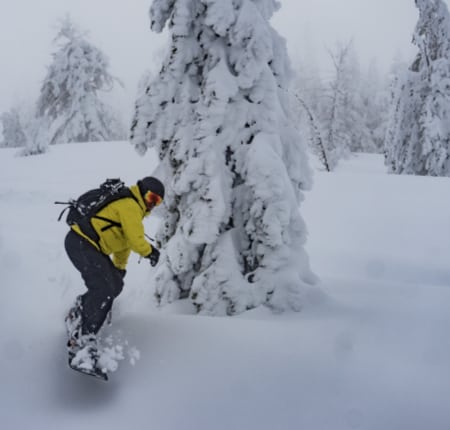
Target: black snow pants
{"points": [[103, 281]]}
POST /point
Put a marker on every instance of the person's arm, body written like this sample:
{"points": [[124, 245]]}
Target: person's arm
{"points": [[120, 259], [133, 228]]}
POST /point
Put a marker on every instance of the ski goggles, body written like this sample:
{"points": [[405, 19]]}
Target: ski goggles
{"points": [[152, 199]]}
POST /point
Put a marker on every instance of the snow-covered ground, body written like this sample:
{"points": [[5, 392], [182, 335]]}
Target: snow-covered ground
{"points": [[371, 352]]}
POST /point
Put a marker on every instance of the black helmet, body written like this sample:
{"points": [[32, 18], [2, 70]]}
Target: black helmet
{"points": [[151, 184]]}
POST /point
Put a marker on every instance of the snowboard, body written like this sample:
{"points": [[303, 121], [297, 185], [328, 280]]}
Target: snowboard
{"points": [[94, 372]]}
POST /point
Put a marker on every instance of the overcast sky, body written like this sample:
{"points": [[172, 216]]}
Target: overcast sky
{"points": [[380, 29]]}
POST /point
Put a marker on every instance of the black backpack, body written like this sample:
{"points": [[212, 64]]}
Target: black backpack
{"points": [[86, 207]]}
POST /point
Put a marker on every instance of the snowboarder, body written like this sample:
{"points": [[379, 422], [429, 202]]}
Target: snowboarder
{"points": [[115, 231]]}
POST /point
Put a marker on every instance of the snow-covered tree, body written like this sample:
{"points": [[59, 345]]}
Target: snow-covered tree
{"points": [[308, 90], [12, 129], [312, 131], [419, 141], [308, 83], [37, 138], [345, 113], [22, 129], [396, 79], [233, 164], [340, 109], [374, 100], [69, 99]]}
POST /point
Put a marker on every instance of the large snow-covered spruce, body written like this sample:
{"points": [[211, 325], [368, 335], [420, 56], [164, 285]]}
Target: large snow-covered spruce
{"points": [[69, 100], [234, 165], [418, 138]]}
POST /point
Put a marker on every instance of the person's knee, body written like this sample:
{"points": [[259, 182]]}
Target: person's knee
{"points": [[117, 284], [111, 288]]}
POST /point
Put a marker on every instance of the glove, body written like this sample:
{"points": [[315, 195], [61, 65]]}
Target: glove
{"points": [[153, 257]]}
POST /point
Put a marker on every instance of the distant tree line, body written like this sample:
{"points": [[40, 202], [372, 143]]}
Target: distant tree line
{"points": [[405, 115]]}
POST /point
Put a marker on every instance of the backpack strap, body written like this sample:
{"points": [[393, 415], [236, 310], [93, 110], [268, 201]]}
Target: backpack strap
{"points": [[111, 222], [68, 204]]}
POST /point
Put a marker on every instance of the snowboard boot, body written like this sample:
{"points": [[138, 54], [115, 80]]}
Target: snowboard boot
{"points": [[82, 348], [83, 351], [73, 318]]}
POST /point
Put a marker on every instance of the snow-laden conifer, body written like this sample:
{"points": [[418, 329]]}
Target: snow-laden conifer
{"points": [[12, 129], [233, 164], [419, 141], [69, 99]]}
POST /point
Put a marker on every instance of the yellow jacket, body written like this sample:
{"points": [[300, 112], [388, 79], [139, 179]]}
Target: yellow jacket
{"points": [[120, 241]]}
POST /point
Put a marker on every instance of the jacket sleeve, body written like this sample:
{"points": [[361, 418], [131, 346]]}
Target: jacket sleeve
{"points": [[120, 259], [133, 229]]}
